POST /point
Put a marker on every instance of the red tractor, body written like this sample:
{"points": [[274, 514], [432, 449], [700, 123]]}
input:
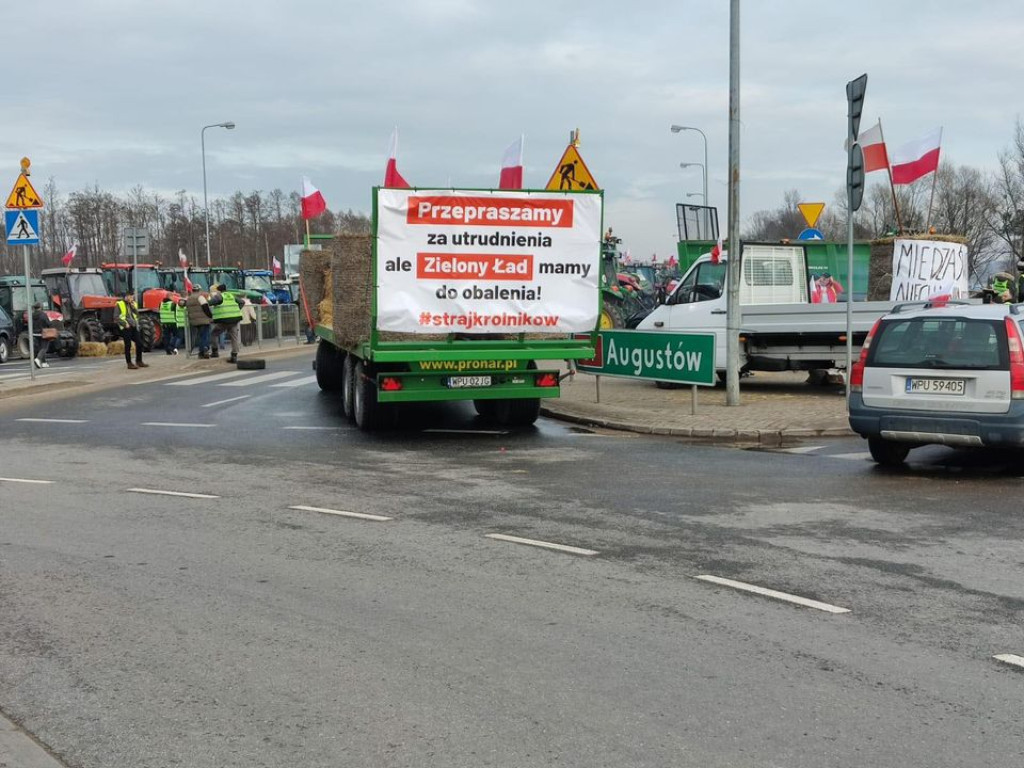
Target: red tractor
{"points": [[87, 306], [119, 278]]}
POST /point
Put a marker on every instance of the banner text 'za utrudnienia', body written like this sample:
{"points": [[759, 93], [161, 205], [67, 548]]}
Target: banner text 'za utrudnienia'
{"points": [[501, 261]]}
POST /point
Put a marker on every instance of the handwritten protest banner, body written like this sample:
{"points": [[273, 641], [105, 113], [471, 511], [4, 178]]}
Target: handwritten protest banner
{"points": [[925, 268]]}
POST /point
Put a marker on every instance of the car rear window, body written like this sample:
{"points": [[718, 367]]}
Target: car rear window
{"points": [[948, 342]]}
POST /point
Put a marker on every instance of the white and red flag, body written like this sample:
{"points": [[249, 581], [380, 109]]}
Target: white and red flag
{"points": [[313, 203], [917, 158], [182, 258], [512, 166], [68, 257], [392, 178], [872, 144], [277, 266], [716, 252]]}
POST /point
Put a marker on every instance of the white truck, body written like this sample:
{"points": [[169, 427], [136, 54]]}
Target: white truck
{"points": [[781, 329]]}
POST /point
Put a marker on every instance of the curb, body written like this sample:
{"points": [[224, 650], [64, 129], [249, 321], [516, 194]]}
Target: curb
{"points": [[769, 438]]}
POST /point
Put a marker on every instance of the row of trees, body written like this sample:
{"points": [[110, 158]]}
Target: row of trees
{"points": [[247, 230], [986, 209]]}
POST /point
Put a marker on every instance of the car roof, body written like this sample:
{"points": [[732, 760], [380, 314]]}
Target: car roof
{"points": [[955, 309]]}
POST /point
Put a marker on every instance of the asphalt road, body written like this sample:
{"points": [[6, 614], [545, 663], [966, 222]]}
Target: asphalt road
{"points": [[255, 629]]}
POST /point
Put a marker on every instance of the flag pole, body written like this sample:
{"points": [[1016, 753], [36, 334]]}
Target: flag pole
{"points": [[892, 187], [307, 233], [935, 177]]}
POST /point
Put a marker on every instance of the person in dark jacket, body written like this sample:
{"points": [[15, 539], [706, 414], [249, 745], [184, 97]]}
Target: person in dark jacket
{"points": [[127, 315], [197, 307], [40, 320]]}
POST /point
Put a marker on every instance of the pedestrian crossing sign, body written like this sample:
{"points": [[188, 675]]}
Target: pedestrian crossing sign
{"points": [[22, 227], [23, 195], [571, 174]]}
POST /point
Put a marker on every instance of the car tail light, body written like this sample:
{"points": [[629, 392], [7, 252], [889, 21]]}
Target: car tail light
{"points": [[390, 384], [1016, 345], [547, 380], [857, 372]]}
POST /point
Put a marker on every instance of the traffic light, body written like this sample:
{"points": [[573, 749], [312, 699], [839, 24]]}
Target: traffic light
{"points": [[855, 91], [855, 177]]}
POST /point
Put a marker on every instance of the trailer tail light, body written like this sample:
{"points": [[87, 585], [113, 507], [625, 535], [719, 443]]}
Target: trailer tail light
{"points": [[857, 372], [547, 380], [390, 384], [1016, 345]]}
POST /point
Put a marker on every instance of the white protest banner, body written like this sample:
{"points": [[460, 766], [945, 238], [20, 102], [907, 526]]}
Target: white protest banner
{"points": [[925, 268], [500, 261]]}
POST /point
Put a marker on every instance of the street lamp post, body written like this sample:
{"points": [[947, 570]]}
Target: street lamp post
{"points": [[677, 129], [704, 175], [697, 194], [206, 205]]}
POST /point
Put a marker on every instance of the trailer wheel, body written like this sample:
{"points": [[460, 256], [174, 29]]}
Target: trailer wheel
{"points": [[485, 408], [329, 362], [147, 333], [516, 413], [348, 387], [366, 411]]}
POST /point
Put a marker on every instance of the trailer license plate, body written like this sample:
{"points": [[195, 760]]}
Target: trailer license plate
{"points": [[461, 382], [935, 386]]}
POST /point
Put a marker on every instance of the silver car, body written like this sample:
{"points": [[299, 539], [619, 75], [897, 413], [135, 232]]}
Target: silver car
{"points": [[940, 373]]}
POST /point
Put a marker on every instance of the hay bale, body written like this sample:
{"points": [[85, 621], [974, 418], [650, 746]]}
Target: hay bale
{"points": [[313, 266], [880, 263], [352, 288], [92, 349], [115, 348]]}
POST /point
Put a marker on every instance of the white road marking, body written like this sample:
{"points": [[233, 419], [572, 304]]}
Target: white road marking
{"points": [[863, 456], [311, 428], [297, 382], [170, 424], [224, 402], [543, 544], [260, 379], [341, 513], [468, 431], [58, 421], [162, 379], [802, 449], [807, 603], [173, 493], [23, 480], [1010, 658], [205, 379]]}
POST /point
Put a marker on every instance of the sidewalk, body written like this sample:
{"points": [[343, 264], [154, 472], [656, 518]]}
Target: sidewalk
{"points": [[73, 375], [775, 408]]}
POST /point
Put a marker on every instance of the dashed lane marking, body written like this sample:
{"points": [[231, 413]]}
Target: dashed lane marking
{"points": [[467, 431], [260, 379], [342, 513], [171, 424], [182, 494], [543, 544], [863, 456], [795, 599], [207, 379], [297, 382], [802, 449], [57, 421], [311, 428], [225, 402], [24, 480], [1010, 658]]}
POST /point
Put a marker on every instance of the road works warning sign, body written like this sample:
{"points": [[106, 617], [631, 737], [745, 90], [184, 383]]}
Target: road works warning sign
{"points": [[501, 261]]}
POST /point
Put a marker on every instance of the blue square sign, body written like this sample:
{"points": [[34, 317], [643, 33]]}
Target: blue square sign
{"points": [[22, 226]]}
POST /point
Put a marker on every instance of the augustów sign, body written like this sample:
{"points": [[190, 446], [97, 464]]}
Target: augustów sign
{"points": [[682, 358], [500, 261]]}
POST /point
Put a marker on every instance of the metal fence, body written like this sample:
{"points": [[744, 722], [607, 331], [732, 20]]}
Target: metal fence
{"points": [[265, 325]]}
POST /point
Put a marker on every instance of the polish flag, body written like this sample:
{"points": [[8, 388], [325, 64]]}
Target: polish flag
{"points": [[313, 203], [872, 144], [916, 158], [716, 252], [182, 258], [277, 267], [188, 283], [392, 178], [512, 166], [68, 257]]}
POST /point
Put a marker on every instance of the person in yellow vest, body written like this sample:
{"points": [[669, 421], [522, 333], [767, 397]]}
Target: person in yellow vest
{"points": [[227, 314], [172, 323], [127, 315]]}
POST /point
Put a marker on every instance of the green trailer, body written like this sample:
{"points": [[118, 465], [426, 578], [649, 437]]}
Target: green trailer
{"points": [[370, 351]]}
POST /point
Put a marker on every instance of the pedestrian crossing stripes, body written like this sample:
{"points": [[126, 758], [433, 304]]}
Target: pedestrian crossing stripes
{"points": [[296, 382], [239, 379], [261, 379]]}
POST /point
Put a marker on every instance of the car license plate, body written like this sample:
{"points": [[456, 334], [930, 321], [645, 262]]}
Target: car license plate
{"points": [[935, 386], [461, 382]]}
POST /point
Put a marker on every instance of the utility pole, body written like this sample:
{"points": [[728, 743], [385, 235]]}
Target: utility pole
{"points": [[733, 318]]}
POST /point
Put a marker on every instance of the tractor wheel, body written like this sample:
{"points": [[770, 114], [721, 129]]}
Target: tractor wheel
{"points": [[5, 349], [147, 333], [23, 349], [611, 316], [91, 329], [329, 362], [67, 346], [348, 387]]}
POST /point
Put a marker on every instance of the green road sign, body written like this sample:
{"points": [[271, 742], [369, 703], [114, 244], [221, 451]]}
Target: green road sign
{"points": [[682, 358]]}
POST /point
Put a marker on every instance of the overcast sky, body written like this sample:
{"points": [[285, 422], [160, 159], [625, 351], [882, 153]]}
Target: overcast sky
{"points": [[114, 93]]}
